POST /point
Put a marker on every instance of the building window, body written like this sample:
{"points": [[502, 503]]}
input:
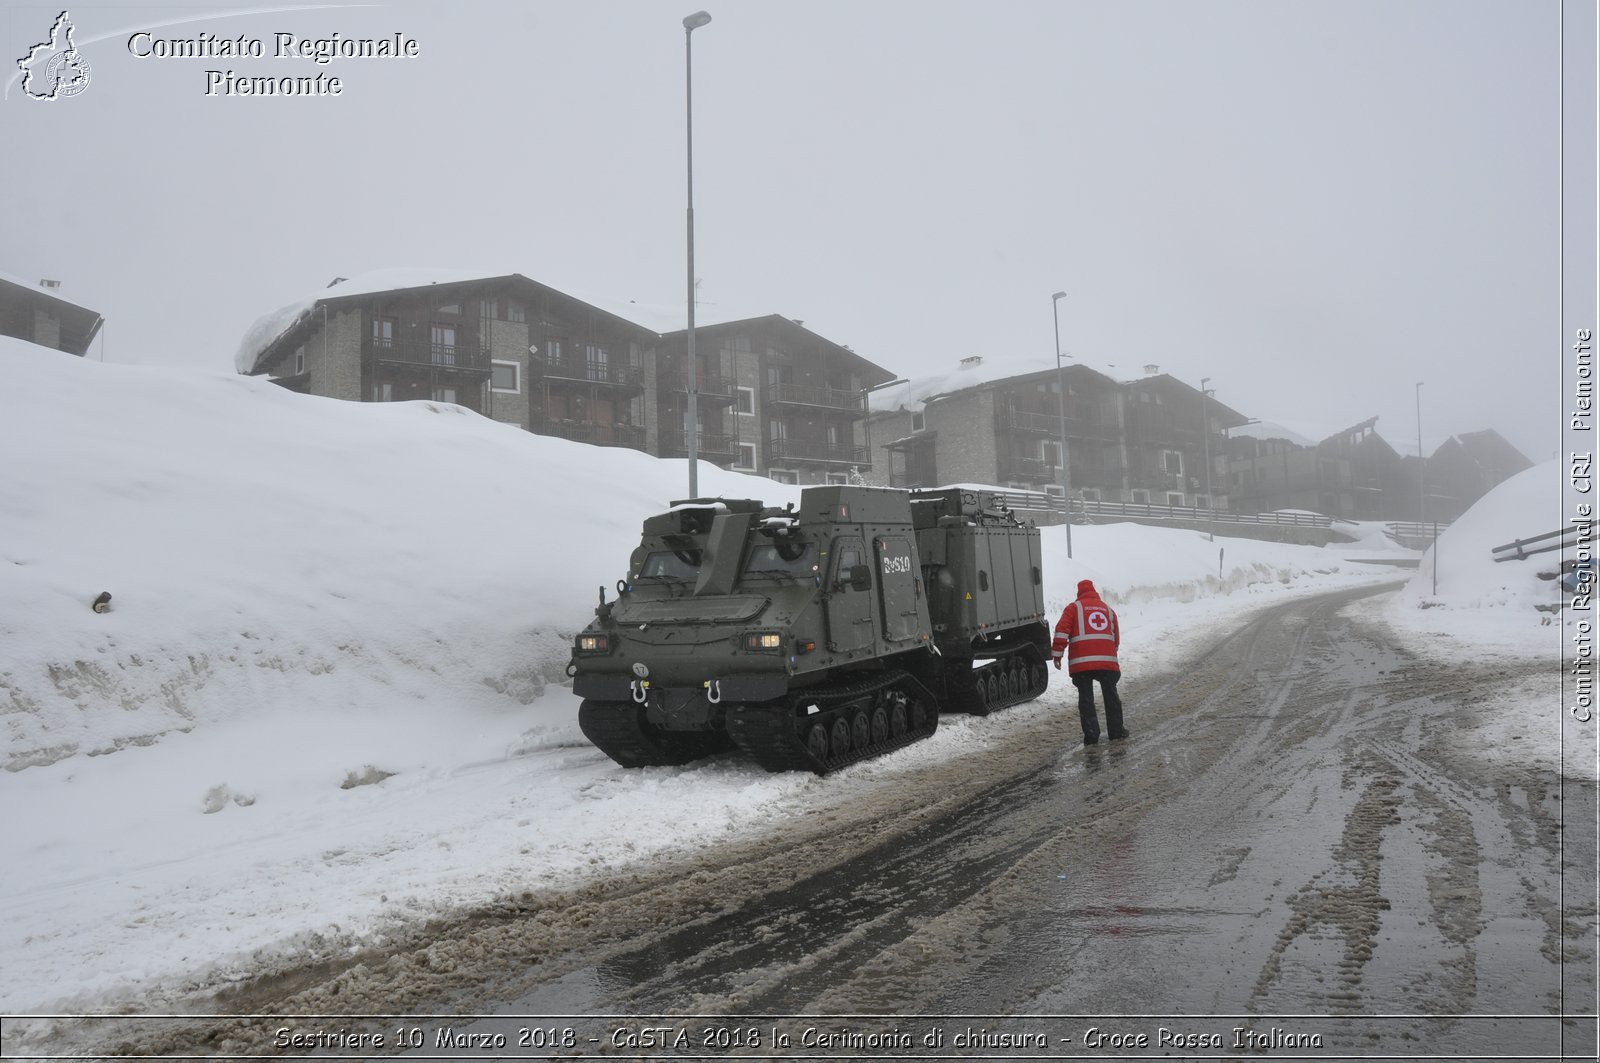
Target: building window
{"points": [[747, 457], [451, 308], [777, 429], [491, 308], [836, 478], [382, 391], [1174, 498], [783, 476], [1141, 497], [444, 345], [299, 360], [1050, 452], [506, 376], [552, 350], [383, 332], [515, 312], [1090, 494], [596, 357], [444, 395], [919, 421], [1172, 462], [833, 437], [1055, 491], [745, 401]]}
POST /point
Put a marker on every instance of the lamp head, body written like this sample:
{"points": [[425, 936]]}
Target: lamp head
{"points": [[696, 20], [1058, 296]]}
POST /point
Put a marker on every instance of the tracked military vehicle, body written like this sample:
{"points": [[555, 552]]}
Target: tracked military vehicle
{"points": [[816, 637]]}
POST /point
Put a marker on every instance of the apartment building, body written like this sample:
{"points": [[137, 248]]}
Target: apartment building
{"points": [[775, 398], [772, 396], [1000, 422], [38, 313]]}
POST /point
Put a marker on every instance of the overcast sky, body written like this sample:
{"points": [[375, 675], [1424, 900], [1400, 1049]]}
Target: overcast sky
{"points": [[1245, 191]]}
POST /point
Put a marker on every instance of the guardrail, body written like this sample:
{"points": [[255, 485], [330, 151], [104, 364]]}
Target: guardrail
{"points": [[1039, 502], [1516, 549]]}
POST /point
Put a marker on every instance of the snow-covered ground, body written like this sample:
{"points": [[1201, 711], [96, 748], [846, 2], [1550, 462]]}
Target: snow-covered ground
{"points": [[326, 700]]}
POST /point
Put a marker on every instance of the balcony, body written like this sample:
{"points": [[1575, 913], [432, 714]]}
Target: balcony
{"points": [[1019, 421], [820, 397], [1029, 470], [711, 446], [432, 356], [1168, 481], [1049, 425], [600, 435], [710, 386], [585, 371], [781, 451]]}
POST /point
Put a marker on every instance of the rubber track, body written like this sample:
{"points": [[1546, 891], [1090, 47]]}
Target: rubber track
{"points": [[622, 733], [968, 698], [770, 734]]}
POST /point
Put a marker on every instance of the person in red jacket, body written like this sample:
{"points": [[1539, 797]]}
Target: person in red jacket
{"points": [[1089, 635]]}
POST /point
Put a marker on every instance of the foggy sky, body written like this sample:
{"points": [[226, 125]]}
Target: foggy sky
{"points": [[1315, 205]]}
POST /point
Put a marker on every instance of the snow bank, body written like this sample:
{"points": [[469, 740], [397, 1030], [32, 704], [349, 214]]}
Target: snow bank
{"points": [[1491, 606]]}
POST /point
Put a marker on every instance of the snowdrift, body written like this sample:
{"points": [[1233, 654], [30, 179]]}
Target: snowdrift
{"points": [[265, 549], [1494, 605]]}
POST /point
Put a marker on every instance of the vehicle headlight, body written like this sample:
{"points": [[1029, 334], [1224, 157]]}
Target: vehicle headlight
{"points": [[764, 642], [594, 643]]}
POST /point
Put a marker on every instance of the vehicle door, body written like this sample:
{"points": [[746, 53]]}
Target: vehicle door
{"points": [[898, 587], [849, 597]]}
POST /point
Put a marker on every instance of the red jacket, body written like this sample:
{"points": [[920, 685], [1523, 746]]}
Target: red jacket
{"points": [[1088, 633]]}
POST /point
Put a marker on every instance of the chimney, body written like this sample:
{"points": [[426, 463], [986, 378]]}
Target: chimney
{"points": [[1152, 370], [49, 284], [971, 361]]}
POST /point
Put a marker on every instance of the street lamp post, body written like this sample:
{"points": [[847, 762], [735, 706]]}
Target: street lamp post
{"points": [[1061, 397], [1205, 433], [1422, 482], [1422, 491], [691, 430]]}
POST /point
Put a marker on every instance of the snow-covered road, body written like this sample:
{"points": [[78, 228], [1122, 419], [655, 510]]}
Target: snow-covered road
{"points": [[1301, 826]]}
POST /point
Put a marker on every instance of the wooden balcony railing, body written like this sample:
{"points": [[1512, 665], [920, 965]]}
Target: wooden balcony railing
{"points": [[595, 372], [470, 359], [779, 450], [811, 395]]}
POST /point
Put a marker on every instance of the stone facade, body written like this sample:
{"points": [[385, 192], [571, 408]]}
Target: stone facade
{"points": [[331, 374], [508, 341]]}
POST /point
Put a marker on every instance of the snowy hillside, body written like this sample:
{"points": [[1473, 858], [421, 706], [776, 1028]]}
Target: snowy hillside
{"points": [[326, 699]]}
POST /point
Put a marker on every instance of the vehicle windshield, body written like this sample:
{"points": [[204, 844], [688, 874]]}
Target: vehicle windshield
{"points": [[795, 560], [671, 565]]}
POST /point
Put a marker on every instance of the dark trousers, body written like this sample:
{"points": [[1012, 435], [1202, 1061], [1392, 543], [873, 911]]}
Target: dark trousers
{"points": [[1084, 681]]}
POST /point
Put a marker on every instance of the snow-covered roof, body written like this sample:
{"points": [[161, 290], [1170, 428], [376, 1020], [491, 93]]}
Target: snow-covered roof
{"points": [[50, 293], [1271, 430], [671, 317], [651, 316], [914, 393], [267, 328]]}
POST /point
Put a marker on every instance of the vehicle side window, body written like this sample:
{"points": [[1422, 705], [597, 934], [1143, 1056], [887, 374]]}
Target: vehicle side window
{"points": [[672, 564], [847, 554]]}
